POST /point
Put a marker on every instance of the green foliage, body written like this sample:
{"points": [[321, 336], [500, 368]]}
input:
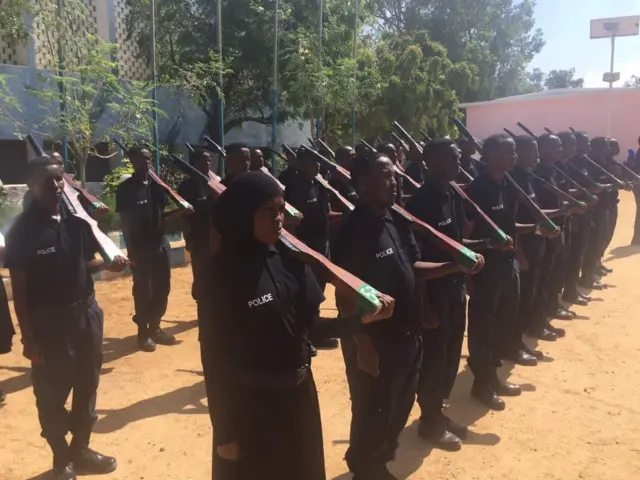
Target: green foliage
{"points": [[110, 221], [114, 177], [633, 82], [563, 79], [8, 104]]}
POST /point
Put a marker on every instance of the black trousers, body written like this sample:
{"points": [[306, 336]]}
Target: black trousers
{"points": [[151, 286], [280, 437], [441, 348], [380, 407], [71, 345], [612, 221], [546, 299], [493, 313], [595, 247], [578, 239], [636, 228], [6, 324], [529, 282]]}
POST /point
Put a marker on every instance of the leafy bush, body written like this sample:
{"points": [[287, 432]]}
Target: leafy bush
{"points": [[114, 177]]}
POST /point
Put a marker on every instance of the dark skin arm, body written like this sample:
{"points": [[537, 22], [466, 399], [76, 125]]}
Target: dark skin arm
{"points": [[19, 285]]}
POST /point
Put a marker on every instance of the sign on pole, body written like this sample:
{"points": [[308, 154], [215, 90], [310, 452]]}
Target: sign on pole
{"points": [[615, 27]]}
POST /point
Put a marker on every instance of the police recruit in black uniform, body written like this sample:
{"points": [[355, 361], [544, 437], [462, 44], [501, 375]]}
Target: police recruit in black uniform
{"points": [[50, 256], [262, 305], [382, 362]]}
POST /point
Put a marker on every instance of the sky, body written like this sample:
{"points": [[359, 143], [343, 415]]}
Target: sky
{"points": [[566, 26]]}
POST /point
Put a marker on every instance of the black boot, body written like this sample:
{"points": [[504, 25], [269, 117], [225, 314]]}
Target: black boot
{"points": [[87, 461], [145, 343], [3, 396], [504, 388], [485, 394], [433, 428], [62, 466], [537, 354], [160, 337], [457, 429], [520, 357]]}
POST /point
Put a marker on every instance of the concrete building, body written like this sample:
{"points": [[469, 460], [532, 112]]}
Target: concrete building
{"points": [[23, 64], [598, 111]]}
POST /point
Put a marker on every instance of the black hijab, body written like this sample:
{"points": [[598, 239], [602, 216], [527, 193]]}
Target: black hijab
{"points": [[234, 210]]}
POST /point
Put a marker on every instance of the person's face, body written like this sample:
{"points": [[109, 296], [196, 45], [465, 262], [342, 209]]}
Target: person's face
{"points": [[601, 150], [292, 161], [553, 150], [615, 147], [347, 157], [308, 167], [446, 165], [47, 185], [257, 159], [506, 157], [528, 155], [467, 148], [569, 146], [203, 163], [238, 162], [141, 162], [56, 157], [583, 144], [268, 221], [381, 186]]}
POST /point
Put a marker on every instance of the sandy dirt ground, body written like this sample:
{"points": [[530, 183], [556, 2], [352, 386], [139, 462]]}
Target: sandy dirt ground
{"points": [[578, 418]]}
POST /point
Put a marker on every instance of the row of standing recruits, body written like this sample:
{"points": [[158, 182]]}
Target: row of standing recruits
{"points": [[258, 307]]}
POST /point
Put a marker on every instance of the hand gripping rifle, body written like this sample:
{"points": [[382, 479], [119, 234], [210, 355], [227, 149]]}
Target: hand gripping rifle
{"points": [[536, 212], [366, 296], [108, 250], [460, 253], [497, 233]]}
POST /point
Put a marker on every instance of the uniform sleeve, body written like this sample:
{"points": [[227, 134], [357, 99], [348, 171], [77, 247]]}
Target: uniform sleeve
{"points": [[413, 251], [121, 205], [14, 256]]}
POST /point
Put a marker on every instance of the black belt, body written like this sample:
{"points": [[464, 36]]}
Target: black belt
{"points": [[268, 380], [75, 309]]}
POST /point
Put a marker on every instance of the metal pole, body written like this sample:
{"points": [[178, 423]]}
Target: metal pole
{"points": [[355, 74], [220, 82], [610, 112], [154, 88], [61, 87], [320, 34], [274, 121]]}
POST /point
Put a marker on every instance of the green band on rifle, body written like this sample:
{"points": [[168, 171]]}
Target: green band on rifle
{"points": [[467, 258], [368, 299], [97, 205], [501, 236]]}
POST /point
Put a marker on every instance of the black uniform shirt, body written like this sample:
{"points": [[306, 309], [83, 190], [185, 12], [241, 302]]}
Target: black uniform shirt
{"points": [[381, 251], [140, 205], [443, 211], [264, 305], [417, 171], [288, 176], [344, 189], [197, 194], [524, 180], [54, 255], [313, 202], [497, 200]]}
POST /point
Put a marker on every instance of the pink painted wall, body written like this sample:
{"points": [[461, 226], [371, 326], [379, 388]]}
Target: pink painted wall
{"points": [[583, 111]]}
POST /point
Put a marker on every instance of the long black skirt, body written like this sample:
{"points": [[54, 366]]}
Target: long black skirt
{"points": [[6, 324]]}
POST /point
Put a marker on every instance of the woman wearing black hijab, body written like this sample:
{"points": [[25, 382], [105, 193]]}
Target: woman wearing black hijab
{"points": [[261, 305]]}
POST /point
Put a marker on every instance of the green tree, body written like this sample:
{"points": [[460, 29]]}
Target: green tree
{"points": [[633, 82], [497, 36], [563, 79], [82, 96]]}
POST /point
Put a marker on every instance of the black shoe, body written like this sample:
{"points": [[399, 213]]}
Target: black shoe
{"points": [[560, 332], [520, 357], [460, 431], [580, 301], [582, 296], [605, 269], [601, 273], [163, 338], [487, 396], [505, 389], [326, 343], [563, 314], [145, 343], [534, 353], [89, 462], [64, 472], [543, 334], [3, 396], [442, 439], [313, 351]]}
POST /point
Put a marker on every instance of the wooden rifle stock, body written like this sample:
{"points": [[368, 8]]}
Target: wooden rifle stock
{"points": [[459, 252], [497, 232], [535, 210], [181, 202], [366, 296], [326, 147], [400, 142], [94, 201]]}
